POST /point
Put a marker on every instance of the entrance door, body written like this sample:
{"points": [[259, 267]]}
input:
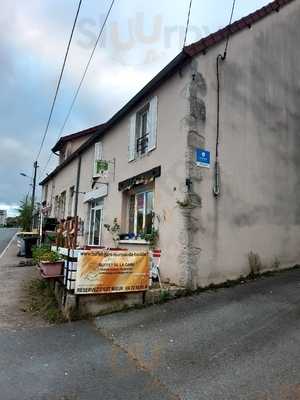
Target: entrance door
{"points": [[95, 228]]}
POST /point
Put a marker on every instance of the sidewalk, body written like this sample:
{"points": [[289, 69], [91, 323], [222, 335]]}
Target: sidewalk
{"points": [[12, 295], [10, 258]]}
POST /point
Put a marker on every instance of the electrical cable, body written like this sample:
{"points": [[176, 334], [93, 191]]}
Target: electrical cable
{"points": [[81, 81], [59, 81], [220, 57], [187, 23], [228, 36]]}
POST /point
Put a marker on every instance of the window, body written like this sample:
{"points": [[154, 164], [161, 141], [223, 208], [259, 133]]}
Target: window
{"points": [[95, 227], [62, 205], [140, 212], [68, 150], [71, 201], [142, 132], [97, 158]]}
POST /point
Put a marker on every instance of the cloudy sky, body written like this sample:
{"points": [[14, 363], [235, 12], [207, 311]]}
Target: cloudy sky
{"points": [[140, 38]]}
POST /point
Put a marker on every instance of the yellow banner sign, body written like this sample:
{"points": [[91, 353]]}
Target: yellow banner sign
{"points": [[112, 272]]}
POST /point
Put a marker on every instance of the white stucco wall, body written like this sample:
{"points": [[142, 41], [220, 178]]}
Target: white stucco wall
{"points": [[169, 154], [258, 209]]}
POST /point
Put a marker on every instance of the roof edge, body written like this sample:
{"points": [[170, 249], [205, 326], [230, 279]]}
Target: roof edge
{"points": [[75, 135], [238, 26], [183, 57], [166, 72]]}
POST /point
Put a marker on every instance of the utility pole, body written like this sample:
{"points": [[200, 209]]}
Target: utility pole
{"points": [[35, 167]]}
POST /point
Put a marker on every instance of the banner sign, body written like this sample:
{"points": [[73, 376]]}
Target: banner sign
{"points": [[112, 272]]}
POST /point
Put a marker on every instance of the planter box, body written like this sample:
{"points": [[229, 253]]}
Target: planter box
{"points": [[70, 265], [51, 269]]}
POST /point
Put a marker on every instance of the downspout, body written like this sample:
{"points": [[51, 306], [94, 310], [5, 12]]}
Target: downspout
{"points": [[76, 199], [217, 185], [220, 57]]}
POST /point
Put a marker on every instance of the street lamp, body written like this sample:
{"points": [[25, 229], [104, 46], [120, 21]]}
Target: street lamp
{"points": [[26, 176]]}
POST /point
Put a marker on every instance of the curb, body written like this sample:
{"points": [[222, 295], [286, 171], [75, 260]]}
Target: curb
{"points": [[20, 264]]}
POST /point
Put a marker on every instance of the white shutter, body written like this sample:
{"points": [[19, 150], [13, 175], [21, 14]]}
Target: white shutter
{"points": [[132, 138], [98, 155], [153, 123]]}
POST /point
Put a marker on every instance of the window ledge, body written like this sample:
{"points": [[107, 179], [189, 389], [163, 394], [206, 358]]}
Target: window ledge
{"points": [[133, 241]]}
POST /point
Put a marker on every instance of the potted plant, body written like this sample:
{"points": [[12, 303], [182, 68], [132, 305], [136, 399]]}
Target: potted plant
{"points": [[49, 261], [151, 238]]}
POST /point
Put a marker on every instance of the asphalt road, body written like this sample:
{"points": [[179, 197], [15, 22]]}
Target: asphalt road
{"points": [[70, 362], [232, 344], [5, 236], [240, 343]]}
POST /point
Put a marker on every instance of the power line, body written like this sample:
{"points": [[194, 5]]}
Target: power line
{"points": [[59, 80], [81, 81], [187, 23], [230, 22]]}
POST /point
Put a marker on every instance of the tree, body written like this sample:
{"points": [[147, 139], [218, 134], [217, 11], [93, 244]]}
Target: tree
{"points": [[12, 222], [25, 214]]}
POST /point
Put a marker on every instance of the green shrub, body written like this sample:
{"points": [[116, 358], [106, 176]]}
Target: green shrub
{"points": [[25, 214], [45, 254], [152, 237]]}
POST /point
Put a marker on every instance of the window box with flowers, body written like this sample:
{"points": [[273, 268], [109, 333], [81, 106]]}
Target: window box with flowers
{"points": [[140, 209]]}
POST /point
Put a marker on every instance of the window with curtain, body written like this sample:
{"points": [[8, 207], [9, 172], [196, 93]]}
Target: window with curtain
{"points": [[140, 212]]}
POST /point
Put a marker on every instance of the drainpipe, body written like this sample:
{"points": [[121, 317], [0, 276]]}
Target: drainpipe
{"points": [[76, 198], [217, 184], [221, 57]]}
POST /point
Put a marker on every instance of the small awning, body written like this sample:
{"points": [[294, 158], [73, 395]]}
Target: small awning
{"points": [[101, 191], [141, 179]]}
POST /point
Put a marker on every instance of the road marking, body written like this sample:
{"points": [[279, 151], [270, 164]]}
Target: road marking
{"points": [[10, 242]]}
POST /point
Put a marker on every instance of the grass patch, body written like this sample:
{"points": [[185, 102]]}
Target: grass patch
{"points": [[164, 296], [42, 301]]}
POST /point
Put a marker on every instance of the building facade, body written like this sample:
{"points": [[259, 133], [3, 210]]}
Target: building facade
{"points": [[240, 109], [3, 217]]}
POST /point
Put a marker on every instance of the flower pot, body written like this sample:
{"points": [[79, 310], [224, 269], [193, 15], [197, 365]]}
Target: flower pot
{"points": [[51, 268], [115, 249]]}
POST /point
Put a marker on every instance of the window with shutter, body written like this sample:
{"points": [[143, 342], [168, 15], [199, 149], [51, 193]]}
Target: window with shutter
{"points": [[97, 157], [143, 130]]}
